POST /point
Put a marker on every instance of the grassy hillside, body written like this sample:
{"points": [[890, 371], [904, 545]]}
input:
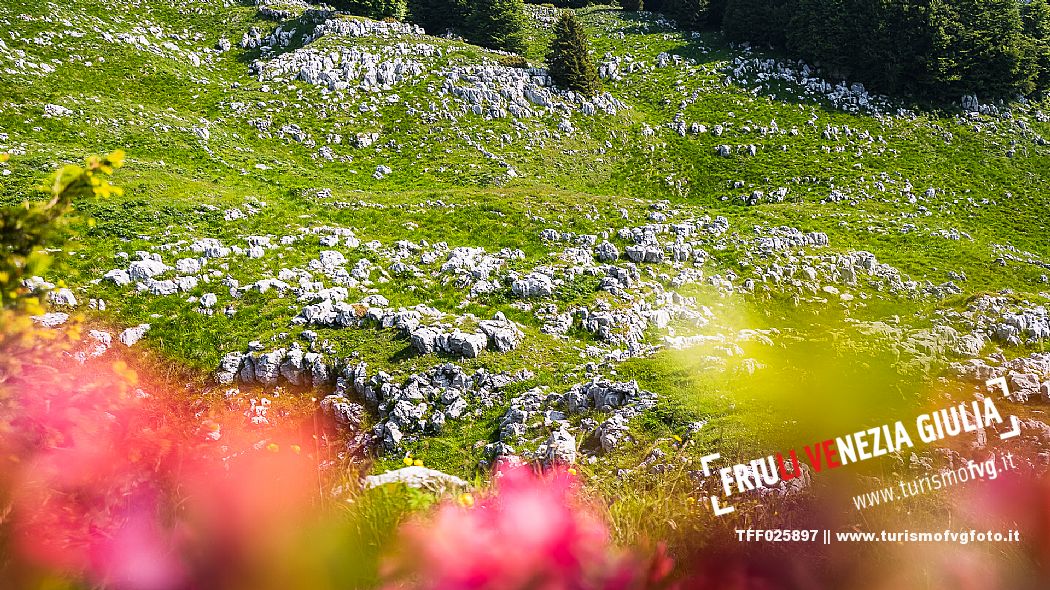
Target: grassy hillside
{"points": [[228, 143]]}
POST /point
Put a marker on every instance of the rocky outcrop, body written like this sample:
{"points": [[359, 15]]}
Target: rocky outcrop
{"points": [[422, 478]]}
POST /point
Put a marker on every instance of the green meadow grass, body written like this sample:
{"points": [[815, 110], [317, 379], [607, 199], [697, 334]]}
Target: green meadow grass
{"points": [[825, 379]]}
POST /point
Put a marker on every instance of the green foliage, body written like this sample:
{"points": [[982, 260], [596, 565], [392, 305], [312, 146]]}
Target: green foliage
{"points": [[579, 291], [687, 13], [376, 9], [716, 10], [568, 61], [978, 47], [562, 179], [758, 21], [632, 5], [932, 48], [888, 45], [438, 16], [1035, 17], [26, 229], [182, 190], [513, 61], [564, 3], [498, 24]]}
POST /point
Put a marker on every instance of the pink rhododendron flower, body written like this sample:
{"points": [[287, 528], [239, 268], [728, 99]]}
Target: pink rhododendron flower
{"points": [[532, 532], [119, 488]]}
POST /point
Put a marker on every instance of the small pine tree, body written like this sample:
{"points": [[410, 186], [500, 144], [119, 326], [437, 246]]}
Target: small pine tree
{"points": [[632, 5], [497, 24], [569, 62]]}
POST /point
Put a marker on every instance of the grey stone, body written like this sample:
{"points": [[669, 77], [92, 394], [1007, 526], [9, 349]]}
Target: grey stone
{"points": [[423, 478], [268, 366], [424, 340], [611, 432], [141, 270], [466, 344], [131, 336], [969, 345], [644, 253], [51, 320], [347, 414], [229, 367], [292, 366], [62, 297], [1023, 385], [498, 449], [187, 266], [607, 252], [457, 408], [161, 287], [208, 300], [503, 335], [533, 285], [560, 447], [118, 277], [247, 373], [408, 415], [320, 374], [391, 437]]}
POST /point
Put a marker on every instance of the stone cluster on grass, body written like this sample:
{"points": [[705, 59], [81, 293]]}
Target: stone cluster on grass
{"points": [[424, 402], [429, 330], [1027, 377], [540, 420]]}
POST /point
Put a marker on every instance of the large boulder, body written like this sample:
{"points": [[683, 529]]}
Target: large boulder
{"points": [[611, 432], [533, 285], [607, 252], [292, 367], [644, 253], [424, 339], [560, 447], [131, 336], [418, 477], [229, 367], [118, 276], [1022, 385], [391, 436], [268, 366], [62, 297], [969, 345], [141, 270], [408, 416], [347, 414], [503, 335], [464, 344], [320, 372]]}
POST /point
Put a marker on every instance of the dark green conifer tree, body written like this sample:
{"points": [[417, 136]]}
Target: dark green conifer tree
{"points": [[376, 9], [1036, 18], [568, 60], [497, 24], [757, 21], [438, 16]]}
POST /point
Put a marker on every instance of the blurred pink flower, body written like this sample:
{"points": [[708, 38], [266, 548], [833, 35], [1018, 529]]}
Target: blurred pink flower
{"points": [[118, 488], [532, 532]]}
